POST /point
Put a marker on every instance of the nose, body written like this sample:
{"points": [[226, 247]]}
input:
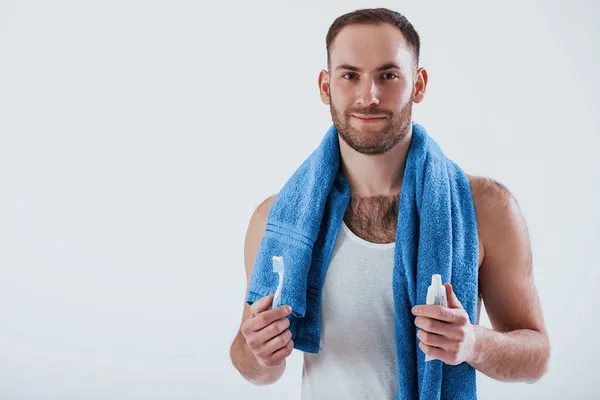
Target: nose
{"points": [[368, 93]]}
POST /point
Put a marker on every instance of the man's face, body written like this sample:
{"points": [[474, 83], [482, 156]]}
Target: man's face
{"points": [[371, 86]]}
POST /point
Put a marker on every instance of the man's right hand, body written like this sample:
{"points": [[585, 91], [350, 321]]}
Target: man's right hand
{"points": [[267, 334]]}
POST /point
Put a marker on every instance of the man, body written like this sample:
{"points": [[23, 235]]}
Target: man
{"points": [[372, 81]]}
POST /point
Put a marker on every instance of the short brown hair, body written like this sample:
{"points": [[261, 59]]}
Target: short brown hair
{"points": [[374, 16]]}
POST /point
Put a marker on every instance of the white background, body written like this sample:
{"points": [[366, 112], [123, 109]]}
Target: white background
{"points": [[137, 138]]}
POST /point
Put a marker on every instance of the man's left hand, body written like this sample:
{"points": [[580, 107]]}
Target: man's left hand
{"points": [[445, 333]]}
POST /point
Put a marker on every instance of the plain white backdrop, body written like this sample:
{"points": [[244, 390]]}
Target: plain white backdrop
{"points": [[137, 138]]}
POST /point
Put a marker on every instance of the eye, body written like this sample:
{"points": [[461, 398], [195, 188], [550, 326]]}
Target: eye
{"points": [[390, 74], [348, 73]]}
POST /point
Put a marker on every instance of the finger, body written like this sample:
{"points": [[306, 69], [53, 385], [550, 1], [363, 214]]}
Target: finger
{"points": [[283, 353], [437, 353], [267, 317], [436, 340], [274, 328], [451, 296], [276, 343], [438, 327], [261, 305], [436, 312]]}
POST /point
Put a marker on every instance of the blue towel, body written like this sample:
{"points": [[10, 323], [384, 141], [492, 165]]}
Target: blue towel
{"points": [[436, 234]]}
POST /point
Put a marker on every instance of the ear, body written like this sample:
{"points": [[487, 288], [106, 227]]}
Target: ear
{"points": [[420, 85], [324, 86]]}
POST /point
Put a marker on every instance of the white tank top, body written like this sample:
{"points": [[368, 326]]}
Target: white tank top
{"points": [[357, 359]]}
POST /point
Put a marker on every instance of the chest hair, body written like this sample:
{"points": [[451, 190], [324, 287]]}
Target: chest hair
{"points": [[373, 218]]}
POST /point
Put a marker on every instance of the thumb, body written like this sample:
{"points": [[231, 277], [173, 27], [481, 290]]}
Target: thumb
{"points": [[262, 304], [451, 296]]}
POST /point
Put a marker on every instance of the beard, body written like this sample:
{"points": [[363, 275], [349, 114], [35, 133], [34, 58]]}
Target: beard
{"points": [[373, 140]]}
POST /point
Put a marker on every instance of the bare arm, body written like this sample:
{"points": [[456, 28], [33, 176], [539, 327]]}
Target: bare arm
{"points": [[241, 355], [517, 349]]}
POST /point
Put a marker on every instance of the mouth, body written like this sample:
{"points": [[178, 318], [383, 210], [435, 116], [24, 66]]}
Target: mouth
{"points": [[368, 118]]}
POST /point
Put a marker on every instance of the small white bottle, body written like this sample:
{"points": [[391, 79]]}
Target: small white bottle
{"points": [[436, 294]]}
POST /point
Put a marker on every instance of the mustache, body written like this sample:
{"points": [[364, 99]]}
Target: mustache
{"points": [[368, 111]]}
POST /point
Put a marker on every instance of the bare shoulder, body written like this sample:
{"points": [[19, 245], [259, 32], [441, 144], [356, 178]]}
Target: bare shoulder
{"points": [[260, 214], [255, 232], [490, 193], [498, 214], [254, 235]]}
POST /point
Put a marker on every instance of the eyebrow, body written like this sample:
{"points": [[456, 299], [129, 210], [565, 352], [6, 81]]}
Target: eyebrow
{"points": [[349, 67]]}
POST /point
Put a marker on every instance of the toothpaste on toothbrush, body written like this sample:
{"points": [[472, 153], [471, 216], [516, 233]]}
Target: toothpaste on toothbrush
{"points": [[278, 267]]}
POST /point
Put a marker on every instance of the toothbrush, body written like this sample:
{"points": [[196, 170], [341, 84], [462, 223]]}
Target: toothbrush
{"points": [[278, 267]]}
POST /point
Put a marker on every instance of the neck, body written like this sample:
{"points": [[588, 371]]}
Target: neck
{"points": [[372, 175]]}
